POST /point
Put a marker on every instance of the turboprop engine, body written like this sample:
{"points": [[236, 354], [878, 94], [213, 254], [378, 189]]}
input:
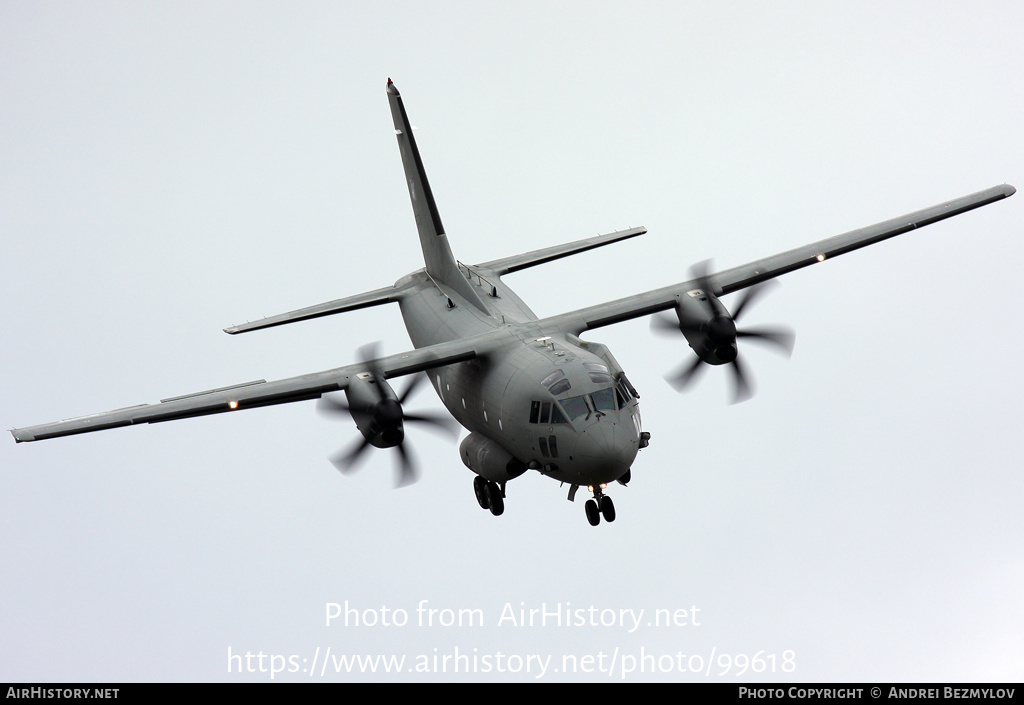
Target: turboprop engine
{"points": [[707, 326], [377, 411], [711, 331]]}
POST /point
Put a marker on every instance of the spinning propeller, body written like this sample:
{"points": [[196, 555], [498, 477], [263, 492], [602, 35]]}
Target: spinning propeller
{"points": [[712, 333], [380, 418]]}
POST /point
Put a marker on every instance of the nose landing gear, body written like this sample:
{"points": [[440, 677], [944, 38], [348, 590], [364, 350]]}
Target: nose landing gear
{"points": [[600, 506]]}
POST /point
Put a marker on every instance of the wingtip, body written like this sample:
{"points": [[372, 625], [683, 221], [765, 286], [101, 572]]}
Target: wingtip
{"points": [[391, 87], [1009, 190]]}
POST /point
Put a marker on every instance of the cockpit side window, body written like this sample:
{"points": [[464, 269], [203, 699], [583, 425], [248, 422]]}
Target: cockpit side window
{"points": [[624, 390], [546, 413]]}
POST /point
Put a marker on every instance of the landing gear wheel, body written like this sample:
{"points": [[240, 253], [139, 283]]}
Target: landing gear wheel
{"points": [[607, 508], [480, 488], [593, 513], [496, 503]]}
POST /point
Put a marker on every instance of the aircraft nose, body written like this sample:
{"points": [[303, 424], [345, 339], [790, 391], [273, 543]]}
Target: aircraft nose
{"points": [[605, 450]]}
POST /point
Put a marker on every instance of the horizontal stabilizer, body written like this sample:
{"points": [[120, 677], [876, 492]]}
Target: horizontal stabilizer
{"points": [[376, 297], [549, 254]]}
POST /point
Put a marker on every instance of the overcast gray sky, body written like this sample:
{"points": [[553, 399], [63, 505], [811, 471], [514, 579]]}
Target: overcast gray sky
{"points": [[173, 168]]}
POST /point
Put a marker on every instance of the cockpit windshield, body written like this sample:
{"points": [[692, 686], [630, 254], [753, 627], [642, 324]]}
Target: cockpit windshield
{"points": [[604, 400], [575, 407], [585, 404]]}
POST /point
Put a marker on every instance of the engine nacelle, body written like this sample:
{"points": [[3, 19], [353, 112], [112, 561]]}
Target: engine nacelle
{"points": [[707, 326], [489, 460], [376, 410]]}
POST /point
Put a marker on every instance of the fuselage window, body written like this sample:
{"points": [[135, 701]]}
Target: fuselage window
{"points": [[545, 412], [553, 445], [534, 411], [543, 446]]}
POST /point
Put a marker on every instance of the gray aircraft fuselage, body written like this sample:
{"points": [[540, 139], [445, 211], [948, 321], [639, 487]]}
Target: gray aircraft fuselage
{"points": [[502, 396]]}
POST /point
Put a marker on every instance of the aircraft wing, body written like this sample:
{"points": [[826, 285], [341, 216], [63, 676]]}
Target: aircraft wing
{"points": [[261, 393], [731, 280]]}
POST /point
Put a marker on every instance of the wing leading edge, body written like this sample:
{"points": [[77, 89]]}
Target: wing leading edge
{"points": [[731, 280], [251, 395]]}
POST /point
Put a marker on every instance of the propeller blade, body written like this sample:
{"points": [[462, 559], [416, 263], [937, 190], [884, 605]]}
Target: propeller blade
{"points": [[701, 271], [742, 389], [752, 294], [782, 338], [686, 375], [414, 382], [344, 461], [440, 421], [668, 325], [368, 354], [665, 324], [329, 406], [389, 415], [718, 334], [407, 473]]}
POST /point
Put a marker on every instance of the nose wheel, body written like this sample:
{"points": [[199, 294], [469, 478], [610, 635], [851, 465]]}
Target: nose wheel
{"points": [[600, 506]]}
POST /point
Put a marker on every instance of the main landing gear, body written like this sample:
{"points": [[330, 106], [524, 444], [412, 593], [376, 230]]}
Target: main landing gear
{"points": [[600, 506], [489, 495]]}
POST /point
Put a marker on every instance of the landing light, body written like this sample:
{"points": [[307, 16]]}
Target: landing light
{"points": [[821, 257], [233, 404]]}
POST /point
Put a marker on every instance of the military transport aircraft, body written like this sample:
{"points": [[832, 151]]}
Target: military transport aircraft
{"points": [[531, 393]]}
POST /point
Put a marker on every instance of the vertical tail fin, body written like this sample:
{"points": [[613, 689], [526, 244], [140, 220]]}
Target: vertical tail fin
{"points": [[437, 254]]}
